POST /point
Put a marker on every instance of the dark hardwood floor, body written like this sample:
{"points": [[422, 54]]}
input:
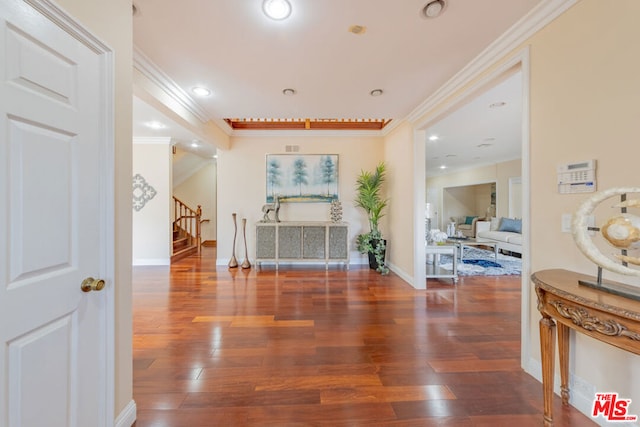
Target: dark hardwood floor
{"points": [[306, 347]]}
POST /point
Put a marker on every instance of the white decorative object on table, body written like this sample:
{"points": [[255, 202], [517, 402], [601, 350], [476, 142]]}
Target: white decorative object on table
{"points": [[621, 231], [451, 229], [438, 236]]}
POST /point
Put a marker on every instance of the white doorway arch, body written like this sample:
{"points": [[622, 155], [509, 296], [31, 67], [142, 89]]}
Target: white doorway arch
{"points": [[447, 102]]}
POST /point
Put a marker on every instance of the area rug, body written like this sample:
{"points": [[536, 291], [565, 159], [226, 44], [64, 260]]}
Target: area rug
{"points": [[481, 262]]}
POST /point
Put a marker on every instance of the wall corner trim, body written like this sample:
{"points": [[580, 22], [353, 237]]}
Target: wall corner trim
{"points": [[128, 416], [404, 276]]}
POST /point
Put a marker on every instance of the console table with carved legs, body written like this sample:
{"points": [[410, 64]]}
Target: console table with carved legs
{"points": [[601, 315]]}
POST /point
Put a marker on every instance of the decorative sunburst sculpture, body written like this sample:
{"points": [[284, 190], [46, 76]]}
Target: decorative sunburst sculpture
{"points": [[621, 231]]}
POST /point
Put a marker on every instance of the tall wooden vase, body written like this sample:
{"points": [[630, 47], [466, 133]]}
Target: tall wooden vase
{"points": [[233, 262], [245, 263]]}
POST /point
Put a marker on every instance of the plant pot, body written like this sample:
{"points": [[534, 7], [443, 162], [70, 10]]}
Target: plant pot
{"points": [[373, 264]]}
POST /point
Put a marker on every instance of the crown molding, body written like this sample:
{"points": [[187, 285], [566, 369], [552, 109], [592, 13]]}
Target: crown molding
{"points": [[150, 70], [224, 126], [516, 35]]}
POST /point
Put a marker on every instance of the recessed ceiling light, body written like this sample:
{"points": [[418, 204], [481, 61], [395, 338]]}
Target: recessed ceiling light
{"points": [[484, 145], [434, 138], [489, 139], [277, 9], [195, 144], [450, 155], [155, 125], [376, 92], [201, 91], [289, 92], [497, 104], [443, 167], [433, 9]]}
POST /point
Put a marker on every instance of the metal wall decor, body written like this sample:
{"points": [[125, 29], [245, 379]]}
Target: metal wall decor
{"points": [[142, 192]]}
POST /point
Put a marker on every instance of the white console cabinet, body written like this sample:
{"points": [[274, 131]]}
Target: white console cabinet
{"points": [[302, 242]]}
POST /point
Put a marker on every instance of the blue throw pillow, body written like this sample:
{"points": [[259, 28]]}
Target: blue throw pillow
{"points": [[512, 225], [469, 220]]}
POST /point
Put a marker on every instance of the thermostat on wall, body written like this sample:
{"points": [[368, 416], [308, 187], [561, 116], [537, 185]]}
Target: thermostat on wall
{"points": [[577, 177]]}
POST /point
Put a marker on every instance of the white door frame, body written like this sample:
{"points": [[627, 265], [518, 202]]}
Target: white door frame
{"points": [[512, 182], [519, 60], [107, 176]]}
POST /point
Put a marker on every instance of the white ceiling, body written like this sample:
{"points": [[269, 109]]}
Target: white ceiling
{"points": [[246, 59], [480, 132], [144, 114]]}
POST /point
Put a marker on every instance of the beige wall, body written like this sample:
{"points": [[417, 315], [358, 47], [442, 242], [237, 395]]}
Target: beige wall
{"points": [[200, 189], [151, 225], [242, 185], [399, 157], [467, 200], [111, 22], [585, 86]]}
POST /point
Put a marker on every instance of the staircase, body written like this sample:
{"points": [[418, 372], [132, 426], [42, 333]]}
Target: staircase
{"points": [[186, 230]]}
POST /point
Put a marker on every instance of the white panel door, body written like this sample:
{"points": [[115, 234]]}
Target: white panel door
{"points": [[54, 206]]}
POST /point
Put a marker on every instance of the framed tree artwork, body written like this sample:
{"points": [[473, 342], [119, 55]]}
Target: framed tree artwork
{"points": [[304, 178]]}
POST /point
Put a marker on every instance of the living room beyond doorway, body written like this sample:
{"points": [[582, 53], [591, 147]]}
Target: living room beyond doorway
{"points": [[465, 203]]}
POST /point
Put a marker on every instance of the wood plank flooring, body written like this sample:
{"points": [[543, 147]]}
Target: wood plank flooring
{"points": [[307, 347]]}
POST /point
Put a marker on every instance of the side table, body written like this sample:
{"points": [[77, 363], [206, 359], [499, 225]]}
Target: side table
{"points": [[436, 271]]}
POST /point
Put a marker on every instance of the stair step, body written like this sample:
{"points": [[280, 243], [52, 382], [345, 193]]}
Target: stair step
{"points": [[183, 253], [180, 244]]}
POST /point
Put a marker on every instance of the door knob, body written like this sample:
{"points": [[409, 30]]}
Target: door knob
{"points": [[90, 284]]}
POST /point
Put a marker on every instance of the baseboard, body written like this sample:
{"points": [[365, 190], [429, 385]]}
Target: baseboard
{"points": [[363, 261], [152, 261], [127, 417], [210, 243], [402, 274], [582, 393]]}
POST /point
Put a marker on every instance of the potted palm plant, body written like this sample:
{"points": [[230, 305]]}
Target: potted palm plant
{"points": [[369, 198]]}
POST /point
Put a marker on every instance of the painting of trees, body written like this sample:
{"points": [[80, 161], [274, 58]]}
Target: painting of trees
{"points": [[302, 177], [328, 171], [273, 175]]}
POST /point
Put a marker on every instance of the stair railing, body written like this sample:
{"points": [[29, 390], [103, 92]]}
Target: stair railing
{"points": [[188, 220]]}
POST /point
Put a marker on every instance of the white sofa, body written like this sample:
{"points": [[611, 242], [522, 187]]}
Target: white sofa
{"points": [[506, 233]]}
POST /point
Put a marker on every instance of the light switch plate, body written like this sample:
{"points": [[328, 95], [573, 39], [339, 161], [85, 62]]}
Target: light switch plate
{"points": [[566, 223]]}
